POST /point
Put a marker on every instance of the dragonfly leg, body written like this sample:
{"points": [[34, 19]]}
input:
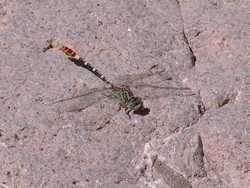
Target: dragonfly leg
{"points": [[127, 112], [119, 107]]}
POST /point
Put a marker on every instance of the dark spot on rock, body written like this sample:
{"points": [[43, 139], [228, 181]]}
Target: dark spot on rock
{"points": [[143, 169], [197, 33], [118, 181], [224, 102], [16, 137], [100, 22], [8, 173], [99, 128], [39, 99]]}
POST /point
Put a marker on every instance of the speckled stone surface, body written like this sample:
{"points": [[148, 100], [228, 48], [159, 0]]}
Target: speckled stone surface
{"points": [[188, 60]]}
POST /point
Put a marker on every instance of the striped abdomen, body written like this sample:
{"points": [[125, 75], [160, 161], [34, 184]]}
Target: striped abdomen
{"points": [[75, 58], [82, 63], [69, 52]]}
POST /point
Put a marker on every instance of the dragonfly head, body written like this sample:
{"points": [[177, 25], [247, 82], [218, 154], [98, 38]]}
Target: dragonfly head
{"points": [[136, 105]]}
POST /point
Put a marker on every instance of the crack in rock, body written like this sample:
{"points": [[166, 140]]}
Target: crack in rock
{"points": [[191, 53]]}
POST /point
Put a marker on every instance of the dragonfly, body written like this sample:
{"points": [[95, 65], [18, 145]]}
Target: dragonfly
{"points": [[121, 92]]}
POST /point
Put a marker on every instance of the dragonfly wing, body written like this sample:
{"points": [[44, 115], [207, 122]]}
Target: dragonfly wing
{"points": [[89, 92], [130, 79], [82, 101], [156, 84], [151, 91]]}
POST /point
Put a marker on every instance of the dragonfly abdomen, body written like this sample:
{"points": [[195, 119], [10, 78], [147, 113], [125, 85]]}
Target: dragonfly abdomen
{"points": [[82, 63], [76, 59], [69, 52]]}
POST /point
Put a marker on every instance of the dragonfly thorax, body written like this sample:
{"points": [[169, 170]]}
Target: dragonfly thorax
{"points": [[126, 99], [134, 104]]}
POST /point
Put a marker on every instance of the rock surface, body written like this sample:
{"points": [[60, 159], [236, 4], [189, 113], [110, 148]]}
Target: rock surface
{"points": [[188, 60]]}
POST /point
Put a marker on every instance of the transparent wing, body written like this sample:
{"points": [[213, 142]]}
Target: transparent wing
{"points": [[130, 79], [149, 91], [82, 101], [155, 84], [151, 84]]}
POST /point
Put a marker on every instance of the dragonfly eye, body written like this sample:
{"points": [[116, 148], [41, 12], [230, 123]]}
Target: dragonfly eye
{"points": [[142, 111], [139, 108]]}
